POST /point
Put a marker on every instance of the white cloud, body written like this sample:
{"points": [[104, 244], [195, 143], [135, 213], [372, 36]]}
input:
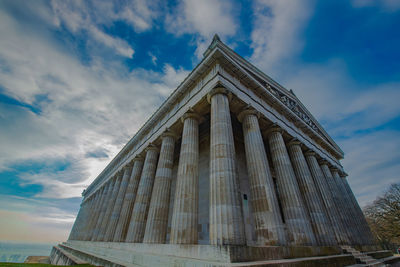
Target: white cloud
{"points": [[344, 107], [372, 161], [340, 102], [204, 18], [83, 108], [277, 26], [78, 16]]}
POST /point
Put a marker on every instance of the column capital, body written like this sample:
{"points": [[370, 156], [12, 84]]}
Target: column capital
{"points": [[334, 169], [248, 111], [137, 158], [219, 90], [322, 162], [309, 153], [294, 142], [169, 133], [190, 114], [128, 165], [152, 147], [273, 129]]}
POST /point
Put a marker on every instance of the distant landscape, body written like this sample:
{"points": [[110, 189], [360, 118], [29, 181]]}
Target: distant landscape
{"points": [[18, 252]]}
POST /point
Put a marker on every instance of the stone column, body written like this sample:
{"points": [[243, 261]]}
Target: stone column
{"points": [[139, 214], [157, 218], [368, 237], [83, 219], [269, 226], [110, 206], [115, 214], [336, 204], [319, 221], [186, 207], [226, 219], [326, 196], [352, 225], [72, 234], [107, 192], [296, 218], [130, 195], [94, 215], [102, 192]]}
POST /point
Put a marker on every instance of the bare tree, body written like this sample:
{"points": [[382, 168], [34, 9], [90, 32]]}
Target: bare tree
{"points": [[383, 217]]}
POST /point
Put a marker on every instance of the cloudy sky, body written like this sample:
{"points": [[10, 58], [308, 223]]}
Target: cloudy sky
{"points": [[78, 79]]}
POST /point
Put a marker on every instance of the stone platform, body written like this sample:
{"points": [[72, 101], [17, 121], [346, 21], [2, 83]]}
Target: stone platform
{"points": [[139, 254]]}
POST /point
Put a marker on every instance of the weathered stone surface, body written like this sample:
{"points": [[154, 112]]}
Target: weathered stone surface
{"points": [[129, 200], [139, 213], [116, 212], [107, 192], [336, 203], [295, 213], [355, 234], [185, 211], [226, 219], [319, 221], [205, 255], [157, 219], [94, 215], [326, 196], [110, 207], [269, 227]]}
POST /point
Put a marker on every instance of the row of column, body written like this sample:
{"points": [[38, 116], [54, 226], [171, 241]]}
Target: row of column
{"points": [[307, 203]]}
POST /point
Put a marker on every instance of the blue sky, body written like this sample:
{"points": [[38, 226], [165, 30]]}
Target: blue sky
{"points": [[78, 79]]}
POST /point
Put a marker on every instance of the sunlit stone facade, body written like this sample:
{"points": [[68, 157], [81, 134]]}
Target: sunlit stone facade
{"points": [[231, 160]]}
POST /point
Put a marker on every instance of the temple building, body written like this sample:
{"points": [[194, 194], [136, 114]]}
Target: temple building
{"points": [[232, 169]]}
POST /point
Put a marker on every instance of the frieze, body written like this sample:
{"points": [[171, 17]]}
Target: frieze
{"points": [[293, 106]]}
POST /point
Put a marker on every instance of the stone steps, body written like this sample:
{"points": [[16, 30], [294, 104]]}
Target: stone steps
{"points": [[362, 258]]}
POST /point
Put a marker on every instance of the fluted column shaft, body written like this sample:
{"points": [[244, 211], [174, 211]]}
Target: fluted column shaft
{"points": [[355, 231], [368, 237], [73, 230], [82, 222], [107, 193], [95, 218], [129, 199], [157, 219], [139, 214], [340, 205], [336, 203], [93, 215], [186, 206], [226, 219], [110, 207], [116, 211], [78, 221], [269, 226], [319, 221], [296, 218], [326, 196]]}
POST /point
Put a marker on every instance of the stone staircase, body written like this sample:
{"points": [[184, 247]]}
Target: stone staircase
{"points": [[362, 258]]}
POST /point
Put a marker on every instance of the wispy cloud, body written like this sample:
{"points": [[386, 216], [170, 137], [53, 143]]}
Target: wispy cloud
{"points": [[85, 107], [204, 19], [353, 113]]}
